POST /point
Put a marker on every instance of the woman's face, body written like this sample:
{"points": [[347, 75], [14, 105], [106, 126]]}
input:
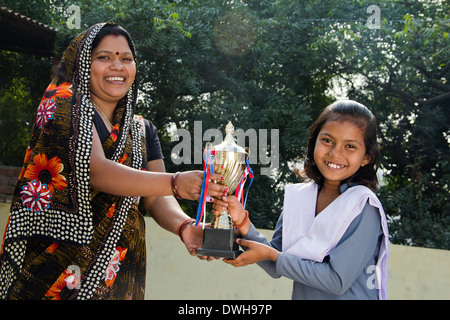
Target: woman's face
{"points": [[112, 69]]}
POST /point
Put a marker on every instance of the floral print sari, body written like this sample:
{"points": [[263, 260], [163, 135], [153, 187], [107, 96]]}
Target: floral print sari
{"points": [[64, 240]]}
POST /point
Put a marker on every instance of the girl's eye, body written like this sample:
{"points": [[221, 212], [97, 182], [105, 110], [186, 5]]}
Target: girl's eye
{"points": [[350, 146], [103, 57], [326, 140]]}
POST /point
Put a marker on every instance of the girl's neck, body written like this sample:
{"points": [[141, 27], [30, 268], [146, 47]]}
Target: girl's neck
{"points": [[331, 187], [327, 194]]}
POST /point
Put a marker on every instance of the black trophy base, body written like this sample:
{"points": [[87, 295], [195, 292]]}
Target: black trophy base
{"points": [[219, 243]]}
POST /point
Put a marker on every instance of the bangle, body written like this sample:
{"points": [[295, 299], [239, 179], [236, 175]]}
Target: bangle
{"points": [[174, 185], [183, 226], [243, 222]]}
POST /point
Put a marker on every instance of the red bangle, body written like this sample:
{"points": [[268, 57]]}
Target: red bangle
{"points": [[174, 185], [243, 222], [183, 226]]}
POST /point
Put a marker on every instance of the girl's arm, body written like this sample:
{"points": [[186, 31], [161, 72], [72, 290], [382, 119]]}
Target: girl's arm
{"points": [[347, 261], [258, 250], [257, 247]]}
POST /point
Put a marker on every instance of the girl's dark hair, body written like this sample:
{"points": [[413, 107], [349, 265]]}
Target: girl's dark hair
{"points": [[360, 115]]}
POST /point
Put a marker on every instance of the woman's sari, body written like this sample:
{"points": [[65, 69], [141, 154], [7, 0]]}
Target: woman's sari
{"points": [[63, 240]]}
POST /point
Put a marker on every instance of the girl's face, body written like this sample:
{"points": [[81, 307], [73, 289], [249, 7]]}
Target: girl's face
{"points": [[340, 151], [112, 69]]}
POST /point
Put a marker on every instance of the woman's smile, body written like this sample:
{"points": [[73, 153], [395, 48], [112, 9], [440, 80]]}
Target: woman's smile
{"points": [[112, 69], [113, 80]]}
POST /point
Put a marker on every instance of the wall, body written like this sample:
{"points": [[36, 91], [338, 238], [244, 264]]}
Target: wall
{"points": [[414, 273], [8, 180]]}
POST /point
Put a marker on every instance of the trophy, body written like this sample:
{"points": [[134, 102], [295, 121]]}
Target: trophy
{"points": [[229, 160]]}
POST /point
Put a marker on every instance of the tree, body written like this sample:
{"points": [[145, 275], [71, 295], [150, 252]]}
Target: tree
{"points": [[21, 77], [400, 70], [275, 64]]}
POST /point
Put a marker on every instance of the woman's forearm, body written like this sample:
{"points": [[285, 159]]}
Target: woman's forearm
{"points": [[114, 178], [166, 212]]}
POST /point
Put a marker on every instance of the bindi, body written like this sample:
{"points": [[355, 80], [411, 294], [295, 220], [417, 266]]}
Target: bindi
{"points": [[117, 53]]}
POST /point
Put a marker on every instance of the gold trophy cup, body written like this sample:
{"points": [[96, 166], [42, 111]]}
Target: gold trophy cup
{"points": [[229, 160]]}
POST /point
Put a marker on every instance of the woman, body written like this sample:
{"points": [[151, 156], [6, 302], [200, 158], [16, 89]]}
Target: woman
{"points": [[74, 230]]}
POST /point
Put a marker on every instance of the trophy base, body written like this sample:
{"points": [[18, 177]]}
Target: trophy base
{"points": [[219, 243]]}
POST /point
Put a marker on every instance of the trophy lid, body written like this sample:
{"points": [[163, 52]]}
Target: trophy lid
{"points": [[228, 143]]}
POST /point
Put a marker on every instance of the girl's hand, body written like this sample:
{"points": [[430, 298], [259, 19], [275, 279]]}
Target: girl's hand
{"points": [[256, 252], [234, 207]]}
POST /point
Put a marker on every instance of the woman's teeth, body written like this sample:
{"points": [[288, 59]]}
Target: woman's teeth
{"points": [[115, 79]]}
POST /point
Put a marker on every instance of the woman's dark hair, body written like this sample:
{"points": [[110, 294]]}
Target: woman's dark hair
{"points": [[111, 28], [360, 115]]}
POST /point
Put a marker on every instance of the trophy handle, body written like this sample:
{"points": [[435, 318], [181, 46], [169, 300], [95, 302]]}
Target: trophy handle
{"points": [[209, 146]]}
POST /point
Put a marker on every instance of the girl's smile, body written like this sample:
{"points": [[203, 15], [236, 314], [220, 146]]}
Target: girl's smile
{"points": [[340, 151], [334, 165]]}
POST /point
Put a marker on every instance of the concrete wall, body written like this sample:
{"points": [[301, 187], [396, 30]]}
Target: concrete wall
{"points": [[414, 273]]}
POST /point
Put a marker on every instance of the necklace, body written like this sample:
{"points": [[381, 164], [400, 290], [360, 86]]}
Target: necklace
{"points": [[102, 114]]}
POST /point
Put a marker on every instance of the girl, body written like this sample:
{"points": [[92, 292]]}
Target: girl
{"points": [[332, 237]]}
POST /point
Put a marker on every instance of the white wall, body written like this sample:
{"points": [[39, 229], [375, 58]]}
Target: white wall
{"points": [[414, 273]]}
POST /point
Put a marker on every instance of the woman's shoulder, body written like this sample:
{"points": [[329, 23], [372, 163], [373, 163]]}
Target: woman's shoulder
{"points": [[147, 125]]}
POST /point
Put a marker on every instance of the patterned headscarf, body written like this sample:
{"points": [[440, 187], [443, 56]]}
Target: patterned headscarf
{"points": [[52, 200]]}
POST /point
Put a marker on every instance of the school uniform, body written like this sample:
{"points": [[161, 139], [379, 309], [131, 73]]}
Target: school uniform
{"points": [[342, 253]]}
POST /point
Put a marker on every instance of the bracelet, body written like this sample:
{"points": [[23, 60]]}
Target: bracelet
{"points": [[174, 186], [243, 222], [183, 226]]}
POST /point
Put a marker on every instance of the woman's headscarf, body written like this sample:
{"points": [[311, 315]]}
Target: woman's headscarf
{"points": [[52, 200]]}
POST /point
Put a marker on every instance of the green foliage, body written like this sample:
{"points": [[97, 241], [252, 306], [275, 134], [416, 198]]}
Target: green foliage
{"points": [[23, 79], [402, 71], [275, 64]]}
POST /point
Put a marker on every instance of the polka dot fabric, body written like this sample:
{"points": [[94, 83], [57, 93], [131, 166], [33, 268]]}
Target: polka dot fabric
{"points": [[65, 137]]}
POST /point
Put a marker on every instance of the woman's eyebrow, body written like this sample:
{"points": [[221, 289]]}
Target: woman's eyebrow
{"points": [[110, 52]]}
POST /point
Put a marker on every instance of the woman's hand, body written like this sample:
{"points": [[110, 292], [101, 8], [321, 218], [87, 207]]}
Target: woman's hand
{"points": [[256, 252], [189, 184], [193, 239]]}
